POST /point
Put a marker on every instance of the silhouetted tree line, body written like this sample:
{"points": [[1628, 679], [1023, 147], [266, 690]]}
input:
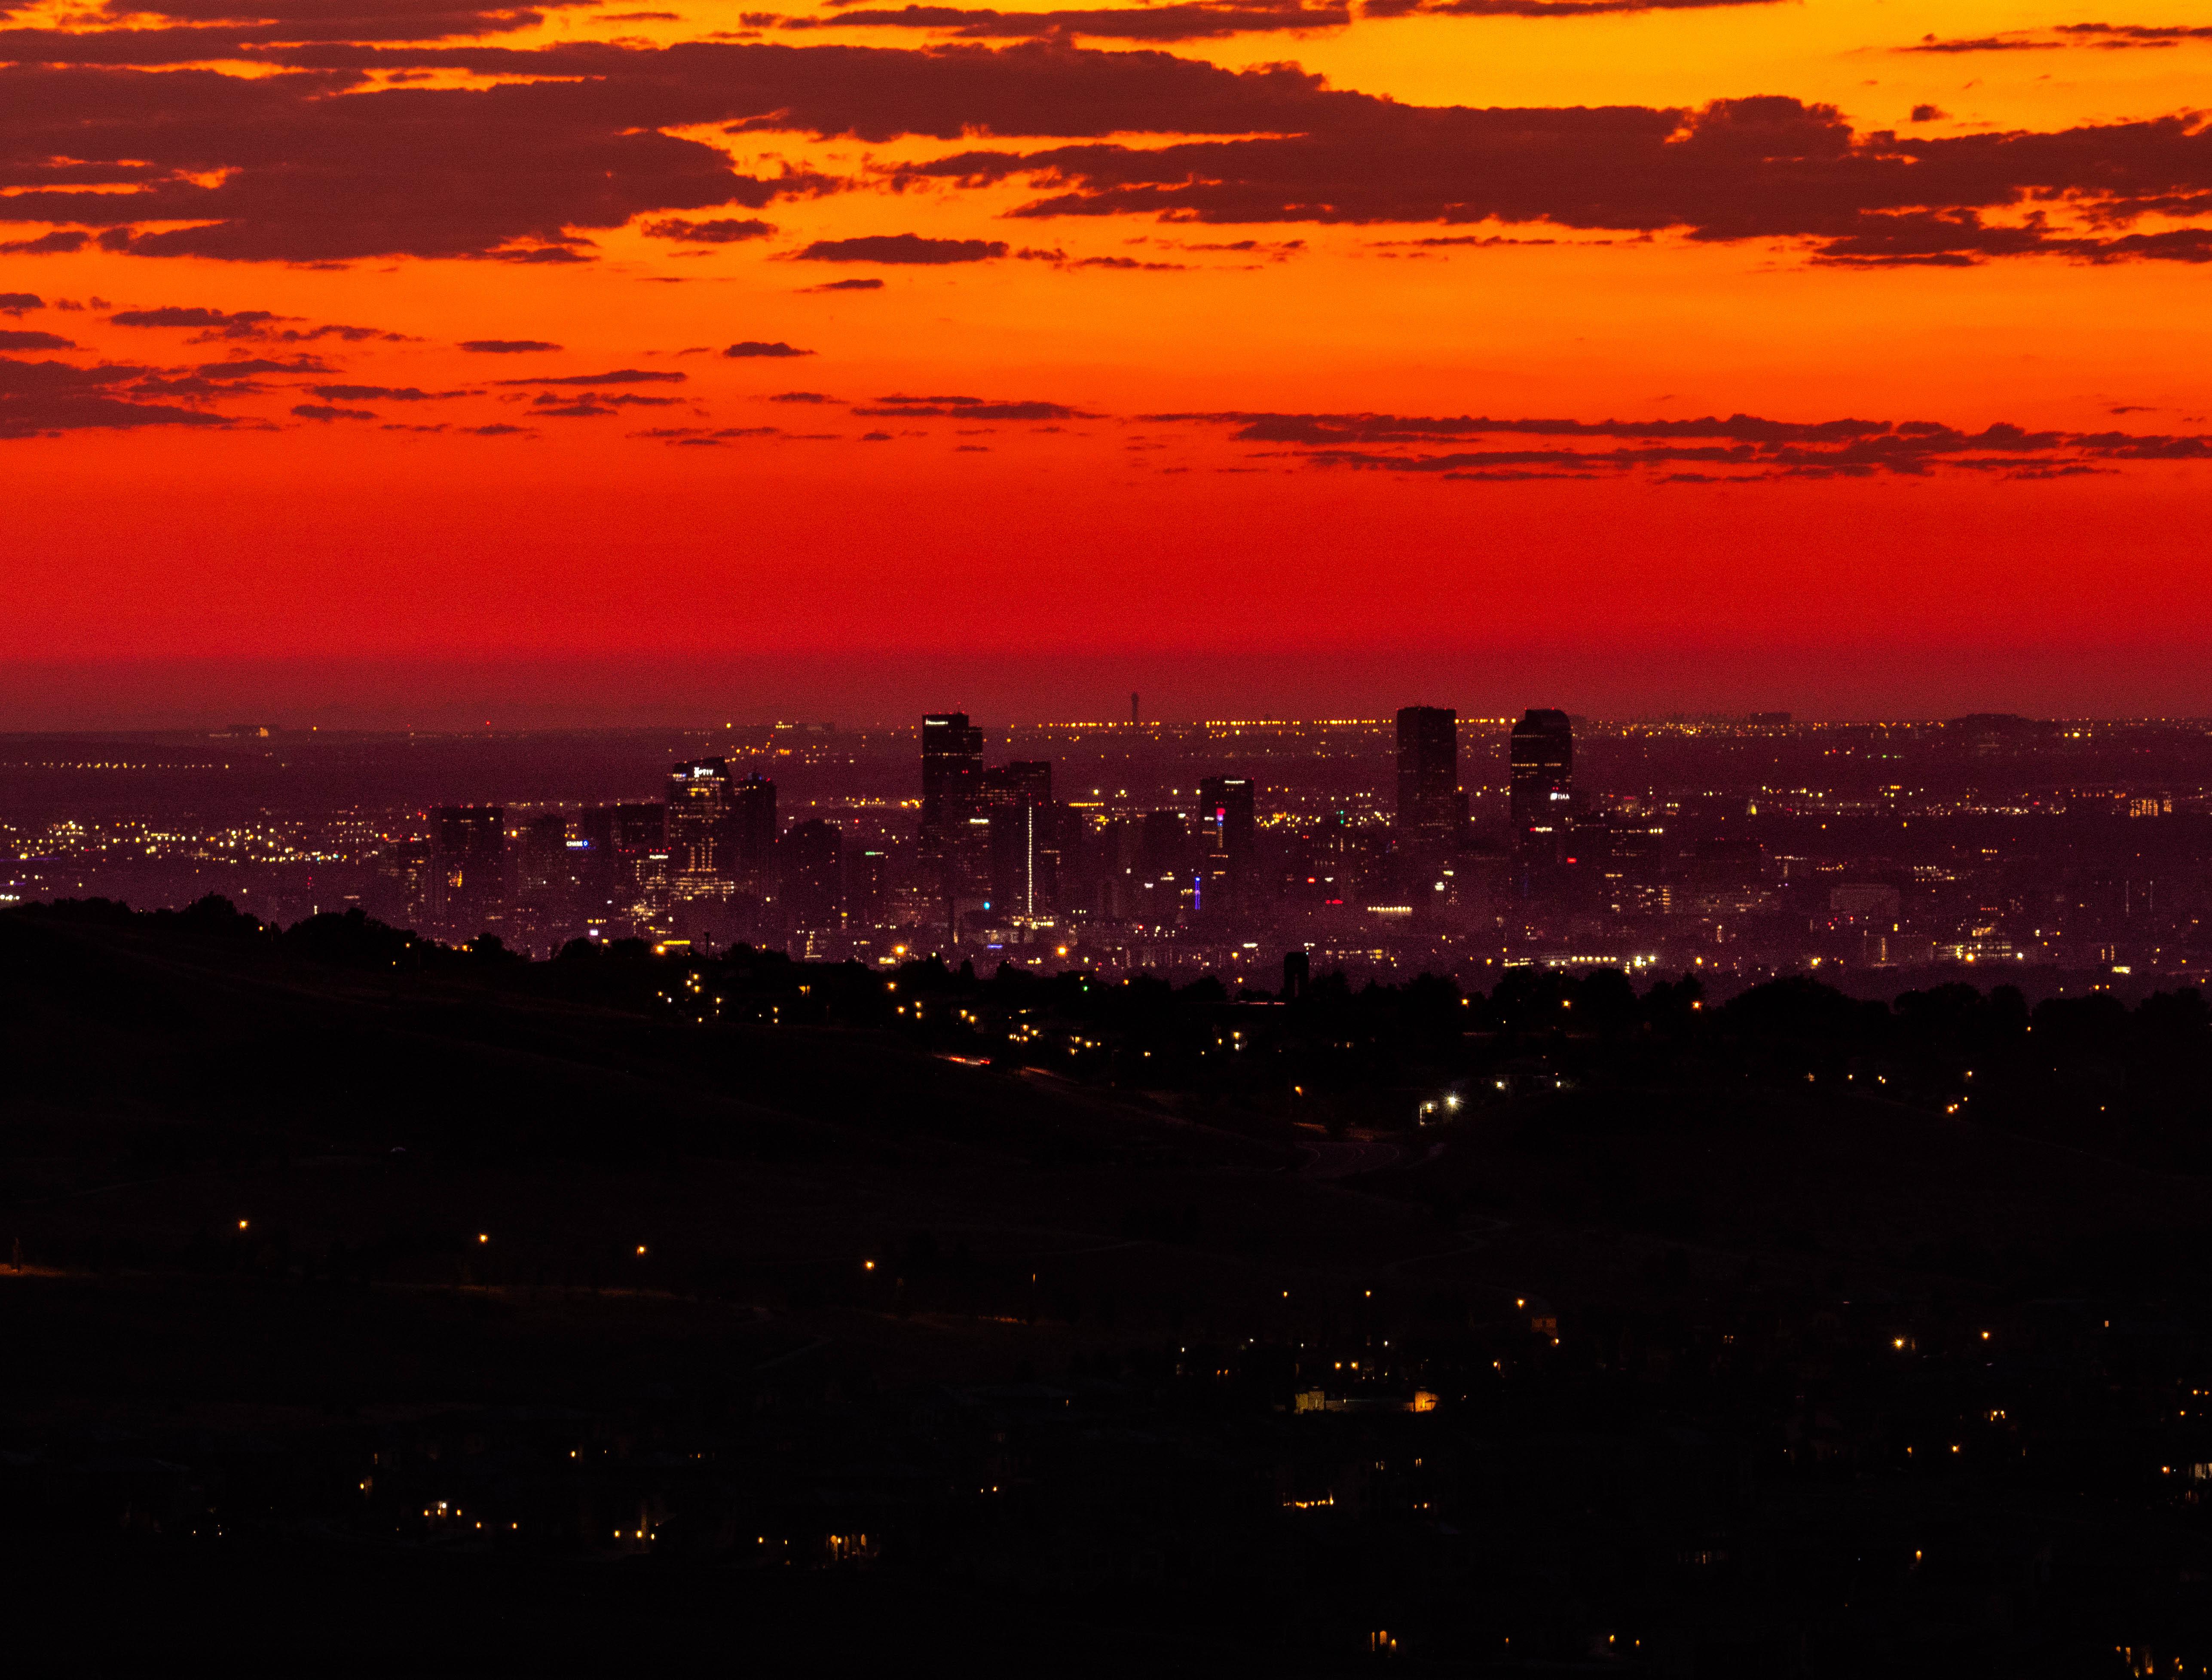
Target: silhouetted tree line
{"points": [[2088, 1070]]}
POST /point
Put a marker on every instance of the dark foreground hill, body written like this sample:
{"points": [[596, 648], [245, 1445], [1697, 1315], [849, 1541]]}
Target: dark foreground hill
{"points": [[374, 1313]]}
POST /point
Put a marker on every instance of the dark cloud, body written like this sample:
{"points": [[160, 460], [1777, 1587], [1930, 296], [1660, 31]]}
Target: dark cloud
{"points": [[505, 346], [325, 412], [1928, 114], [593, 404], [15, 303], [198, 34], [754, 347], [1061, 259], [903, 248], [39, 398], [239, 323], [499, 431], [312, 164], [31, 341], [1730, 450], [2104, 36], [1209, 21], [211, 325], [246, 367], [848, 286], [801, 397], [619, 376], [59, 243], [1751, 168], [726, 231], [369, 393], [1146, 23], [305, 170], [901, 407]]}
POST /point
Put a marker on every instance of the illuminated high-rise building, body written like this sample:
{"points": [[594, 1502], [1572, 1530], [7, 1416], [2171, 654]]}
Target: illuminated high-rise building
{"points": [[701, 832], [1430, 806]]}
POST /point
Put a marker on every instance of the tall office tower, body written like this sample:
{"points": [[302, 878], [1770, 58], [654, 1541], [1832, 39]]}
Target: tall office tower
{"points": [[1430, 804], [951, 777], [701, 846], [752, 835], [1022, 782], [809, 875], [1164, 853], [1024, 862], [468, 870], [545, 885], [1543, 772], [1224, 816], [595, 865], [641, 868], [867, 878], [1023, 838], [400, 889], [1226, 840], [955, 859]]}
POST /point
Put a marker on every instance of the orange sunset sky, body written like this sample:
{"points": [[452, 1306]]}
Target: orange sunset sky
{"points": [[392, 361]]}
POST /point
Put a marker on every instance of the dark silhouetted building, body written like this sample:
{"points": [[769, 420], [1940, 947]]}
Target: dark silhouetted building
{"points": [[810, 872], [640, 867], [468, 870], [1430, 806], [546, 885], [1024, 840], [1542, 790], [867, 879], [1227, 841], [951, 777], [752, 836], [955, 852]]}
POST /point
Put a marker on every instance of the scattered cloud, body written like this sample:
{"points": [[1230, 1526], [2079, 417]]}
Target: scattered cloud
{"points": [[40, 398], [209, 326], [870, 285], [17, 303], [326, 411], [619, 376], [1206, 20], [1737, 449], [726, 231], [901, 407], [2101, 37], [748, 348], [903, 248], [59, 243], [365, 393], [505, 346], [32, 341]]}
